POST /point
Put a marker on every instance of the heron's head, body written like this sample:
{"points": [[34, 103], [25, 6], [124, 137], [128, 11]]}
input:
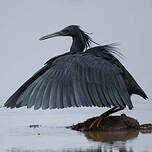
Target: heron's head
{"points": [[73, 31]]}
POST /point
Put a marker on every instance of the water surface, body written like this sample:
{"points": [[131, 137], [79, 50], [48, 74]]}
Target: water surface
{"points": [[16, 136]]}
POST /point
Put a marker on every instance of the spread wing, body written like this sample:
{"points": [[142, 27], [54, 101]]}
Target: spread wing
{"points": [[79, 79]]}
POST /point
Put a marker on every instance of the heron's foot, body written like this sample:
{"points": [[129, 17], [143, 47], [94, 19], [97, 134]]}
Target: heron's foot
{"points": [[97, 120], [92, 118]]}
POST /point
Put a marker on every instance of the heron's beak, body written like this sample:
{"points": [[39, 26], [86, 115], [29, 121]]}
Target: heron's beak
{"points": [[51, 35]]}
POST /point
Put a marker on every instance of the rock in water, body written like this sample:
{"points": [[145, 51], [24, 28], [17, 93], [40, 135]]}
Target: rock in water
{"points": [[111, 123], [146, 128]]}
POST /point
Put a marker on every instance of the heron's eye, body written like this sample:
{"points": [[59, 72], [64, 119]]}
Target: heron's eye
{"points": [[67, 31]]}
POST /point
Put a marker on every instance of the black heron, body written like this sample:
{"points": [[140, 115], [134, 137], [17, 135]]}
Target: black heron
{"points": [[80, 77]]}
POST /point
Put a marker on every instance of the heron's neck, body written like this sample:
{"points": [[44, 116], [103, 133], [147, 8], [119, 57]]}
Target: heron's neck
{"points": [[77, 45]]}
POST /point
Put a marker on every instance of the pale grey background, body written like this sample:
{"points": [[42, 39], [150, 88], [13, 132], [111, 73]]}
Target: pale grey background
{"points": [[22, 22]]}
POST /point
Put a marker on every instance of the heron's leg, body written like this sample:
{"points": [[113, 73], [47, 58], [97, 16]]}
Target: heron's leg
{"points": [[104, 115], [107, 113], [110, 110], [101, 117]]}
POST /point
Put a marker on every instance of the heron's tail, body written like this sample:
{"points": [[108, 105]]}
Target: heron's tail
{"points": [[139, 91]]}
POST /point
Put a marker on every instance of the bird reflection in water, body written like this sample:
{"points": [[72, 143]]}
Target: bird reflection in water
{"points": [[110, 141]]}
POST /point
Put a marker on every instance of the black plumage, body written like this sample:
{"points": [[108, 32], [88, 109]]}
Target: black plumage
{"points": [[94, 77]]}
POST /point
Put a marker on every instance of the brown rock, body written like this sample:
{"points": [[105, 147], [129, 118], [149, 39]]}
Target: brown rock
{"points": [[111, 123]]}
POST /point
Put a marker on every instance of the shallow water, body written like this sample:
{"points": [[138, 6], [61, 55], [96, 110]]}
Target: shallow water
{"points": [[17, 136]]}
